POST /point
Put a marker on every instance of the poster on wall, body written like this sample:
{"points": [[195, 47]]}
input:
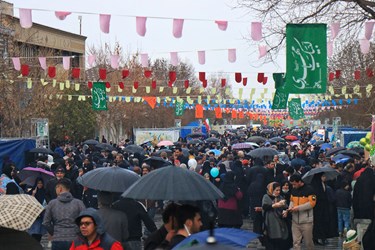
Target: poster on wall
{"points": [[155, 135]]}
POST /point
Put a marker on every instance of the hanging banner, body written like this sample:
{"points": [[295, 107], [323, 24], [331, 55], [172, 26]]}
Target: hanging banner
{"points": [[99, 96], [306, 58], [179, 108], [280, 99], [295, 109]]}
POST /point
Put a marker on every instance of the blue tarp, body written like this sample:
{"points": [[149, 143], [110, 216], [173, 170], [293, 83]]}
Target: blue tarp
{"points": [[349, 136], [188, 129], [16, 150]]}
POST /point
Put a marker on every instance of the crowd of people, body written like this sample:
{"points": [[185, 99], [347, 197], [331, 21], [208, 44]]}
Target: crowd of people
{"points": [[285, 210]]}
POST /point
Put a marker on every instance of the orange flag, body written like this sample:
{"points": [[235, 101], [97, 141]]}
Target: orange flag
{"points": [[234, 114], [151, 100], [241, 115], [198, 111], [218, 113]]}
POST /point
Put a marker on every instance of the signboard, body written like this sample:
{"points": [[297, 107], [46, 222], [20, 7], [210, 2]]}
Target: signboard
{"points": [[155, 135]]}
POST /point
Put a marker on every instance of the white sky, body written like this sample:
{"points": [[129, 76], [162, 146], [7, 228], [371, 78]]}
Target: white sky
{"points": [[159, 41]]}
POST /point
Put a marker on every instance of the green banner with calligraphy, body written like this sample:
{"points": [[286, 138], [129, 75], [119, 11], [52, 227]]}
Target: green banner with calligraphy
{"points": [[179, 108], [306, 58], [99, 96], [295, 109], [280, 99]]}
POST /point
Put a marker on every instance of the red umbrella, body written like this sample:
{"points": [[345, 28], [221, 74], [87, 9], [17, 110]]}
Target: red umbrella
{"points": [[291, 138]]}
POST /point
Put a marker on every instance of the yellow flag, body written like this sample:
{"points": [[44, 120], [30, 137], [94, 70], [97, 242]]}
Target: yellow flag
{"points": [[188, 90], [67, 84], [175, 89], [148, 89], [54, 82], [343, 90], [62, 86], [199, 99], [213, 91], [119, 89], [240, 91], [161, 89], [69, 97], [76, 86]]}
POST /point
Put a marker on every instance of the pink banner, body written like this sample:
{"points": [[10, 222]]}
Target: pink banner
{"points": [[114, 61], [105, 22], [178, 24], [141, 25], [43, 62], [335, 29], [62, 14], [202, 57], [16, 63], [262, 51], [66, 62], [329, 48], [364, 44], [174, 58], [256, 31], [232, 55], [144, 60], [91, 60], [369, 26], [26, 19], [222, 25]]}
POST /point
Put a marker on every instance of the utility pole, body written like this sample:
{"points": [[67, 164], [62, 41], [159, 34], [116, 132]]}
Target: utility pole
{"points": [[80, 24]]}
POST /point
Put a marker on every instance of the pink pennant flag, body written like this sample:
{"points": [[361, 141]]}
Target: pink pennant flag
{"points": [[114, 61], [174, 58], [262, 51], [256, 31], [16, 63], [91, 60], [62, 14], [66, 62], [141, 25], [369, 26], [335, 29], [329, 48], [364, 44], [202, 57], [43, 62], [178, 24], [144, 60], [232, 55], [222, 25], [26, 19], [105, 20]]}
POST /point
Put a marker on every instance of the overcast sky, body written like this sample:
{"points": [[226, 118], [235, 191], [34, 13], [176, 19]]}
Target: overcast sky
{"points": [[197, 35]]}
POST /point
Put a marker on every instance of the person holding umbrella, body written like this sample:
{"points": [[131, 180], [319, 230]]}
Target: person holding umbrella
{"points": [[38, 191]]}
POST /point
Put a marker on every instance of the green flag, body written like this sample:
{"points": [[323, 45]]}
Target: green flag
{"points": [[280, 98], [306, 58], [179, 108], [295, 109], [99, 96]]}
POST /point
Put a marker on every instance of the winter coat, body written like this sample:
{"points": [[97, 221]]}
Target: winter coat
{"points": [[305, 199], [276, 227], [363, 195], [115, 223]]}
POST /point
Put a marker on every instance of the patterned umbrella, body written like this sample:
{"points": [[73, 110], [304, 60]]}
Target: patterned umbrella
{"points": [[354, 144], [238, 146], [19, 211]]}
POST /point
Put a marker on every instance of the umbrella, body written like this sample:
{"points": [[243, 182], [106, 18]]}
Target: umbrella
{"points": [[223, 236], [175, 184], [91, 142], [354, 144], [279, 139], [343, 160], [324, 146], [156, 162], [168, 151], [195, 135], [29, 175], [242, 146], [19, 211], [41, 151], [185, 152], [291, 138], [215, 151], [133, 149], [110, 179], [165, 143], [262, 152], [253, 144], [212, 139], [214, 132], [256, 139], [350, 153], [333, 151], [195, 141], [105, 146], [339, 157], [293, 143], [329, 172], [359, 150], [317, 143]]}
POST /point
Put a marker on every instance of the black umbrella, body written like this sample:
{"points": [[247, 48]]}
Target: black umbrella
{"points": [[350, 153], [318, 143], [195, 141], [105, 146], [214, 132], [91, 142], [212, 140], [278, 139], [333, 151], [195, 135], [110, 179], [256, 139], [156, 162], [175, 184], [168, 151], [263, 152], [133, 149], [329, 172], [41, 151]]}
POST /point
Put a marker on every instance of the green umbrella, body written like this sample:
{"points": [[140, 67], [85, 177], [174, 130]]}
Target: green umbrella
{"points": [[354, 144]]}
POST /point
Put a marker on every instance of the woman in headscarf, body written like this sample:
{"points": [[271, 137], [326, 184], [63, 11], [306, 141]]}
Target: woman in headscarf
{"points": [[7, 184], [38, 191], [229, 214], [276, 228]]}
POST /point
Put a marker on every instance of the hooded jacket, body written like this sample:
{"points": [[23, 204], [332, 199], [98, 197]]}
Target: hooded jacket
{"points": [[103, 240]]}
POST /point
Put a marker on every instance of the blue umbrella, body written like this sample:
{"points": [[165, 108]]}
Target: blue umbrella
{"points": [[215, 151], [340, 157], [224, 236], [343, 160], [324, 146]]}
